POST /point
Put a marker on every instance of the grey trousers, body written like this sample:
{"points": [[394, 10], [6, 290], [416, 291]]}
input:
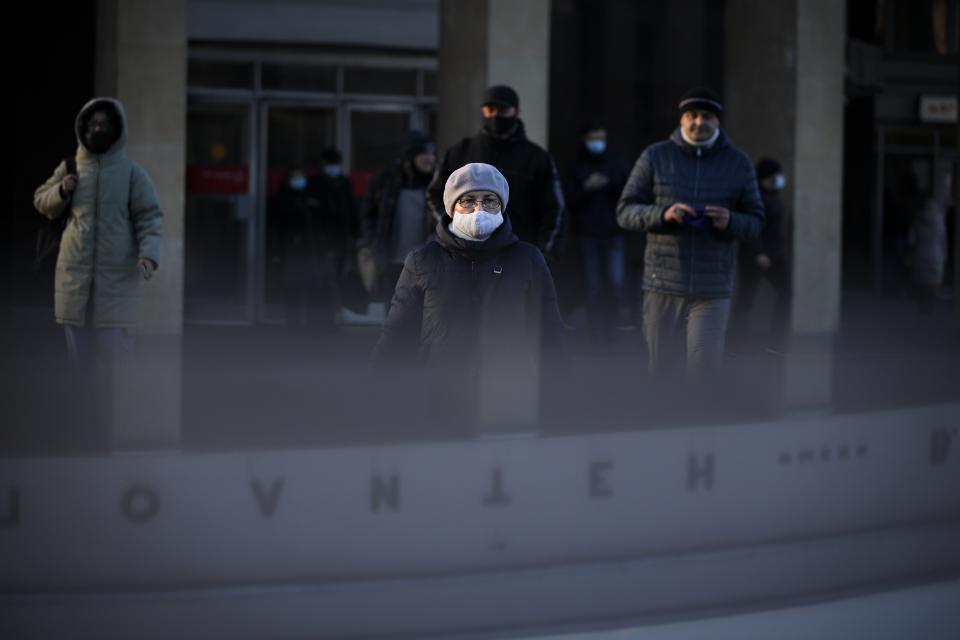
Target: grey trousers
{"points": [[684, 332], [89, 348]]}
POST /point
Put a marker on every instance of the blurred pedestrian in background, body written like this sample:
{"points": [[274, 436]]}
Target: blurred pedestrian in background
{"points": [[394, 219], [592, 189], [765, 258]]}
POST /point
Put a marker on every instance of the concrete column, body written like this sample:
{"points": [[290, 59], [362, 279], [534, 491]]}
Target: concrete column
{"points": [[785, 92], [956, 244], [141, 60], [486, 42], [817, 199]]}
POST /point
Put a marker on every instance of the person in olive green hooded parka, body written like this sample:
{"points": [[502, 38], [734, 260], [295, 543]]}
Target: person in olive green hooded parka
{"points": [[111, 241]]}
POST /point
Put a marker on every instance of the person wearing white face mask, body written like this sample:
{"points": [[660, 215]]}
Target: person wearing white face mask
{"points": [[474, 292]]}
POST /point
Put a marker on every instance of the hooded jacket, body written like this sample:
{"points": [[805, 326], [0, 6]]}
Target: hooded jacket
{"points": [[536, 201], [681, 259], [114, 219], [458, 300]]}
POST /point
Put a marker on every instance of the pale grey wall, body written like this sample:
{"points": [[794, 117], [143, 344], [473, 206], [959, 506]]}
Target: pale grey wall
{"points": [[409, 24]]}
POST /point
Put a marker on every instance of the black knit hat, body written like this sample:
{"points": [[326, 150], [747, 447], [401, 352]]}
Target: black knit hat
{"points": [[331, 155], [501, 95], [417, 143], [767, 167], [702, 99]]}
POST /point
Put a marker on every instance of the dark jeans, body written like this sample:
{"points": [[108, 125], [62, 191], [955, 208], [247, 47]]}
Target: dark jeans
{"points": [[603, 277]]}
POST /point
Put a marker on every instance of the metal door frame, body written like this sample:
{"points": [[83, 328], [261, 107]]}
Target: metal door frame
{"points": [[937, 153], [223, 101], [264, 106], [350, 106]]}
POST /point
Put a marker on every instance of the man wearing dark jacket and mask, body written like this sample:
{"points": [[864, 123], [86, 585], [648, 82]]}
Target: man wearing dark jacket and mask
{"points": [[695, 195], [536, 202]]}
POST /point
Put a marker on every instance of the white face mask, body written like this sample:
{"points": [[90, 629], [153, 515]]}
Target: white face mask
{"points": [[332, 170], [779, 182], [596, 146], [476, 226]]}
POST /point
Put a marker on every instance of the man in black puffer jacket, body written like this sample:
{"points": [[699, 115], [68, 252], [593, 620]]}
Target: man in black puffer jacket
{"points": [[695, 195], [536, 201]]}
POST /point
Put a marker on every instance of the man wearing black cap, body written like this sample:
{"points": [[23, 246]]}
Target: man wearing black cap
{"points": [[695, 195], [536, 203], [392, 218]]}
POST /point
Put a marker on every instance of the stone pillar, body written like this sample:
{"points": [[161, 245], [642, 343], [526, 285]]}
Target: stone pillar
{"points": [[142, 61], [486, 42], [956, 243], [785, 92]]}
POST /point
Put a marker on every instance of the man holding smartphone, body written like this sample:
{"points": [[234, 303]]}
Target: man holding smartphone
{"points": [[695, 195]]}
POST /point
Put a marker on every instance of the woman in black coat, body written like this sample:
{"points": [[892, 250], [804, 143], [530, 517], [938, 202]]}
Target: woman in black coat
{"points": [[475, 298]]}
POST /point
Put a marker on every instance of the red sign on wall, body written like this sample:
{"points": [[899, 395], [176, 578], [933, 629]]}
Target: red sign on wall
{"points": [[218, 179]]}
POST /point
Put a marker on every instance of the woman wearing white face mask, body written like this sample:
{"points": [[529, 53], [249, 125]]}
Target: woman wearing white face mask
{"points": [[474, 292]]}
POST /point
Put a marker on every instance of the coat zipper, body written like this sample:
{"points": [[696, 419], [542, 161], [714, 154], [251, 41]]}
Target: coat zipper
{"points": [[693, 234], [93, 261]]}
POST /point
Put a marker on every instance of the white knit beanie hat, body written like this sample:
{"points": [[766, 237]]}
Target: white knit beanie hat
{"points": [[476, 176]]}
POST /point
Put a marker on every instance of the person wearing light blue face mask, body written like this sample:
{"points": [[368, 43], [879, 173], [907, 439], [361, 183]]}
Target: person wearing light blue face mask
{"points": [[475, 289], [592, 189], [313, 228], [765, 258]]}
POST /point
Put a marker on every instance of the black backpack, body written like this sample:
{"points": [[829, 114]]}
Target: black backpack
{"points": [[50, 232]]}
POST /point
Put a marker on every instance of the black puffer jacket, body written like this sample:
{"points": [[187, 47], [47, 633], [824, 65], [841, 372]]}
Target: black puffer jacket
{"points": [[458, 300], [682, 259], [536, 201]]}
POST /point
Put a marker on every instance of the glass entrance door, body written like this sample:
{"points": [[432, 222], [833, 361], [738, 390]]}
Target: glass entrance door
{"points": [[219, 214], [377, 136]]}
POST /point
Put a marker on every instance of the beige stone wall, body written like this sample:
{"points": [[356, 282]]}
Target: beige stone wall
{"points": [[507, 43], [784, 93], [142, 61], [818, 158], [518, 55]]}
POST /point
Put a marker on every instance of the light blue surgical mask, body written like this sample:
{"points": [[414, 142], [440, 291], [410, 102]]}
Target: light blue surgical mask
{"points": [[332, 170], [596, 146], [298, 182], [779, 182]]}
